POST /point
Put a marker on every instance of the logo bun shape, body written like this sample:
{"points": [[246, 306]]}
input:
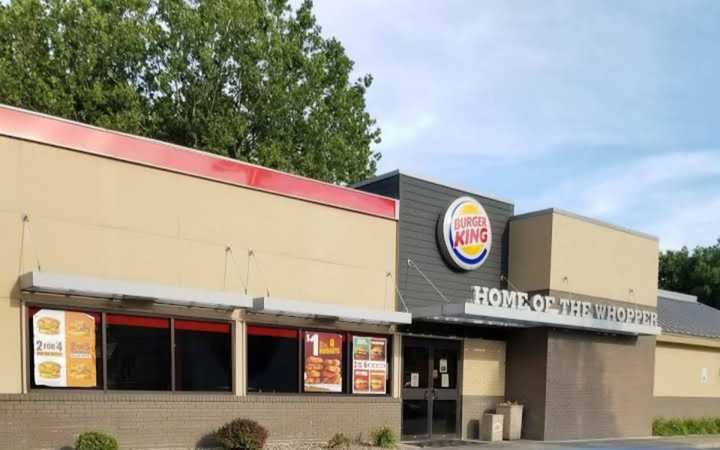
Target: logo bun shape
{"points": [[465, 234]]}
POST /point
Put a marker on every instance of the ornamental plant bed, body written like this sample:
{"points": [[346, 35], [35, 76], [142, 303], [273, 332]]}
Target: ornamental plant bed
{"points": [[686, 426]]}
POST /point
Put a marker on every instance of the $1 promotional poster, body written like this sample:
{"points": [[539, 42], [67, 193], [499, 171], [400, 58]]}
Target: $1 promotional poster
{"points": [[323, 362], [64, 349]]}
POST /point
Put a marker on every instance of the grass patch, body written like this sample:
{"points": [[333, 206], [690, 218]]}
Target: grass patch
{"points": [[686, 426]]}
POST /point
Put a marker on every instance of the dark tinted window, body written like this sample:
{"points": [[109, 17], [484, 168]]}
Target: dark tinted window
{"points": [[138, 351], [203, 361], [272, 360]]}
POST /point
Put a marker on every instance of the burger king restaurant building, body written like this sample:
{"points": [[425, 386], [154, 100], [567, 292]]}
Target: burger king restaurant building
{"points": [[156, 292]]}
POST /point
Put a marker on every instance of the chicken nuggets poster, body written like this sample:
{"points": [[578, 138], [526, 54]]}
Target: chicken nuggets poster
{"points": [[64, 349], [323, 362]]}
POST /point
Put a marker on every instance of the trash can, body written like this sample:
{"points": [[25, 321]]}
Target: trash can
{"points": [[512, 425], [491, 427]]}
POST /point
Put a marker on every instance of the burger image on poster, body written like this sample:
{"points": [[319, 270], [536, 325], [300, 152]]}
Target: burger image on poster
{"points": [[464, 234]]}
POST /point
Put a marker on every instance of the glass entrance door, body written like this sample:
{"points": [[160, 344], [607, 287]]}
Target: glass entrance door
{"points": [[430, 392]]}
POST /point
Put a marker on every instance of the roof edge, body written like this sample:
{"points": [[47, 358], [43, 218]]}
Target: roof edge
{"points": [[594, 221], [432, 181], [58, 132], [672, 295]]}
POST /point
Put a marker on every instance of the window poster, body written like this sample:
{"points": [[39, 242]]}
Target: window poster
{"points": [[64, 349], [323, 362], [370, 368]]}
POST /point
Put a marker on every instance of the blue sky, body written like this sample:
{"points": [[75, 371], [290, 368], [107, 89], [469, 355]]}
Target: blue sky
{"points": [[606, 108]]}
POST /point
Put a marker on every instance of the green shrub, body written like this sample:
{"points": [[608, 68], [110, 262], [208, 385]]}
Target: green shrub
{"points": [[686, 426], [385, 437], [242, 434], [96, 441], [340, 441]]}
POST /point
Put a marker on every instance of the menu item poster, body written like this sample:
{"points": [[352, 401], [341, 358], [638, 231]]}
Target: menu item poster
{"points": [[64, 349], [323, 362], [370, 366]]}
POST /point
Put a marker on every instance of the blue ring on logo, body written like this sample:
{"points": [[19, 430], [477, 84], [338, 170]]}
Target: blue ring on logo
{"points": [[462, 258]]}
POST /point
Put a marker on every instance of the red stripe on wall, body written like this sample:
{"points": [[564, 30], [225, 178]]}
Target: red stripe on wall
{"points": [[35, 127], [137, 321], [212, 327], [275, 332]]}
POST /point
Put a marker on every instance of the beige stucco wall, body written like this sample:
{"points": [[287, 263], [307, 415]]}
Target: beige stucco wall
{"points": [[100, 217], [678, 369], [562, 252], [601, 261], [529, 253], [483, 367]]}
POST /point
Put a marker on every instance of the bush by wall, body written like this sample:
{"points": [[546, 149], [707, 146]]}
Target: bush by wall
{"points": [[385, 437], [96, 441], [242, 434], [686, 426]]}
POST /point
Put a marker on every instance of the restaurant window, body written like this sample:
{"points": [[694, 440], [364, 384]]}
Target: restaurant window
{"points": [[203, 360], [138, 353], [65, 349], [281, 360], [272, 360]]}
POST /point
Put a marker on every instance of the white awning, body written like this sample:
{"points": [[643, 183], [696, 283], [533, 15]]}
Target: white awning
{"points": [[473, 313], [283, 307], [75, 285]]}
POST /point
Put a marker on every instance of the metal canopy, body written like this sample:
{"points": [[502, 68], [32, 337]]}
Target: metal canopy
{"points": [[473, 313], [82, 286], [284, 307]]}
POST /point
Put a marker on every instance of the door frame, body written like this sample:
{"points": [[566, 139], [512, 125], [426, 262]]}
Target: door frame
{"points": [[432, 342]]}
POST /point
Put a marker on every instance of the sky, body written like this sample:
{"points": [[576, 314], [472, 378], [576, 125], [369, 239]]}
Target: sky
{"points": [[609, 109]]}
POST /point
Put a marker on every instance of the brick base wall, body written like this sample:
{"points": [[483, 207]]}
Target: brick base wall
{"points": [[669, 407], [598, 386], [52, 420]]}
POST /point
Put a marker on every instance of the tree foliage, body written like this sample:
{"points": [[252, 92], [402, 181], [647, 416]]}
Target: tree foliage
{"points": [[249, 79], [695, 272]]}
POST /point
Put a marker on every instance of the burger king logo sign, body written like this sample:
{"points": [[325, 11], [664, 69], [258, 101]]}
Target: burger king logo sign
{"points": [[465, 235]]}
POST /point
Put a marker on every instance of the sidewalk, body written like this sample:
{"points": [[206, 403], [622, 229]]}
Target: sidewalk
{"points": [[679, 443]]}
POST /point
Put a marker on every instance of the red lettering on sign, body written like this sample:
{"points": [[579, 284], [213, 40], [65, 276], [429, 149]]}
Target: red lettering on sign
{"points": [[459, 238]]}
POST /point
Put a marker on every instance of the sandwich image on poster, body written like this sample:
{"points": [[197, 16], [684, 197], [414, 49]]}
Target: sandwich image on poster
{"points": [[323, 362], [64, 349], [370, 368]]}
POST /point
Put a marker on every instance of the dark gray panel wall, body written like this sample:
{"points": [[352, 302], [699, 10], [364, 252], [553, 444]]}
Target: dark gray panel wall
{"points": [[421, 205], [389, 187]]}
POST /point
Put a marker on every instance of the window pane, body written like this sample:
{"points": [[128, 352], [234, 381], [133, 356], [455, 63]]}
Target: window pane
{"points": [[203, 361], [273, 360], [138, 353], [76, 343]]}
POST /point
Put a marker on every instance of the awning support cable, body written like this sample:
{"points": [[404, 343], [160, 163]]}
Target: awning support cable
{"points": [[412, 264], [229, 251], [26, 224], [402, 299], [510, 283], [251, 254], [399, 294]]}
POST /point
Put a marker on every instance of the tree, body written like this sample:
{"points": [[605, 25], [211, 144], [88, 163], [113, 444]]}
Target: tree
{"points": [[249, 79], [694, 272]]}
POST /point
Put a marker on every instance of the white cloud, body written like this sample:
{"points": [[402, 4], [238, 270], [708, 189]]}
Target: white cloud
{"points": [[672, 195], [545, 102]]}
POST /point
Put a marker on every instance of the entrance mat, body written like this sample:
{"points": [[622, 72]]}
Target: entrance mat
{"points": [[444, 443]]}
